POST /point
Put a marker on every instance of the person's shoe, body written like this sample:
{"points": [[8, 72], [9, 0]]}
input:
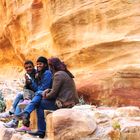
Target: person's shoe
{"points": [[23, 104], [37, 134], [11, 124], [23, 129], [23, 115], [5, 115]]}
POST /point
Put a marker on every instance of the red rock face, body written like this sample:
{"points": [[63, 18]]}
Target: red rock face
{"points": [[119, 88]]}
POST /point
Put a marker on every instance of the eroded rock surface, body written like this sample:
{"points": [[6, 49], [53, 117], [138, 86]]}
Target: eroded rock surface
{"points": [[96, 38], [110, 125]]}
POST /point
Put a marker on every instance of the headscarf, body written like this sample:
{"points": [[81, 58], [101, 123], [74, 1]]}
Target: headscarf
{"points": [[58, 65]]}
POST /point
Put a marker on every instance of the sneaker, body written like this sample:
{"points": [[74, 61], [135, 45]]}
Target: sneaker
{"points": [[5, 115], [23, 129], [11, 124], [23, 104]]}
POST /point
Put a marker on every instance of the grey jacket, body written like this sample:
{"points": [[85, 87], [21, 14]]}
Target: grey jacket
{"points": [[63, 88]]}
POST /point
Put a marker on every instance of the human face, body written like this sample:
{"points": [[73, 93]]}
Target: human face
{"points": [[40, 66], [29, 68]]}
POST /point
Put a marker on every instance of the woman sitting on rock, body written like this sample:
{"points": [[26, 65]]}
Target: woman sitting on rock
{"points": [[62, 95]]}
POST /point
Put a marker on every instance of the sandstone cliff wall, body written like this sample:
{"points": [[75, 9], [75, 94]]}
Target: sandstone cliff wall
{"points": [[96, 38]]}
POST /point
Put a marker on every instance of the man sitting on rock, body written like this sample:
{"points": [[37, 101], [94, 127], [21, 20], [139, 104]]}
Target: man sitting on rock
{"points": [[43, 80], [22, 98]]}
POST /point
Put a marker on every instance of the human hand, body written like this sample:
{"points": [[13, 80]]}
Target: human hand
{"points": [[36, 75], [45, 93], [27, 78]]}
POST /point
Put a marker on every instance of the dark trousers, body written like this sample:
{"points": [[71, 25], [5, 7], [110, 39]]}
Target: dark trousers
{"points": [[44, 105]]}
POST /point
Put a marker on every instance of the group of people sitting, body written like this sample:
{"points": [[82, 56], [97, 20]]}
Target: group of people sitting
{"points": [[48, 87]]}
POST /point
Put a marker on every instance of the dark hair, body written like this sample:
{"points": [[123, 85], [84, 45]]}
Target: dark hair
{"points": [[42, 59], [28, 62], [58, 65], [45, 61]]}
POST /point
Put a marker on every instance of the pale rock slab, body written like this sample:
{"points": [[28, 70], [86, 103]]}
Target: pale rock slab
{"points": [[70, 124], [130, 111]]}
